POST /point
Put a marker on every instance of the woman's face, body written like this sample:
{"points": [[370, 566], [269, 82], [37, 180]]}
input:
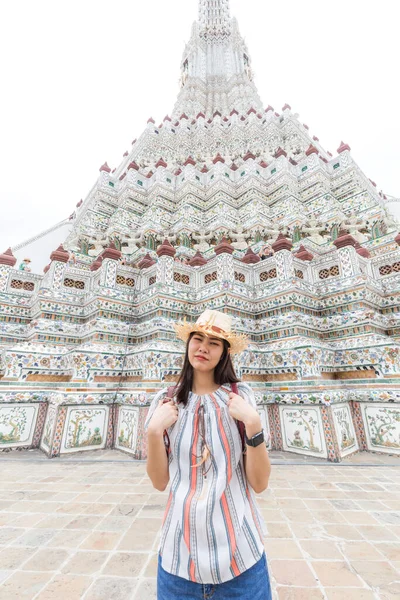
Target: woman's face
{"points": [[205, 352]]}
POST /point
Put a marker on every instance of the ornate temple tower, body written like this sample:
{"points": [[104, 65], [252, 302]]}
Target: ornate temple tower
{"points": [[225, 204]]}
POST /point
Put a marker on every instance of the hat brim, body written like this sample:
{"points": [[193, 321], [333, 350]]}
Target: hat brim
{"points": [[238, 342]]}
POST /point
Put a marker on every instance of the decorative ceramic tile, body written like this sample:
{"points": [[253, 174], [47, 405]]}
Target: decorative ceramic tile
{"points": [[382, 425], [303, 431], [127, 428], [263, 412], [344, 428], [85, 428], [17, 424], [47, 437]]}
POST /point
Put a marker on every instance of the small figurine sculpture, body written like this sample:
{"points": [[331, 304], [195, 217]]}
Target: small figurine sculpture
{"points": [[167, 235], [354, 224], [271, 232], [72, 260], [134, 242], [391, 223], [99, 242], [266, 252], [25, 265], [203, 238], [240, 237], [314, 230]]}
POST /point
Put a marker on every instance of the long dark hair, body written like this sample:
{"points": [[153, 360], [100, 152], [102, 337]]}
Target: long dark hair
{"points": [[224, 372]]}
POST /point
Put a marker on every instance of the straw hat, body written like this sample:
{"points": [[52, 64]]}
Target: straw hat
{"points": [[213, 323]]}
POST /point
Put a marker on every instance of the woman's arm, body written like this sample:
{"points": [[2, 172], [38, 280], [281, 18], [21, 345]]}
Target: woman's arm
{"points": [[256, 460], [163, 417], [157, 460]]}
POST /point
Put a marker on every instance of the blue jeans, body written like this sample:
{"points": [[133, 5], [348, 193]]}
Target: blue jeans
{"points": [[251, 585]]}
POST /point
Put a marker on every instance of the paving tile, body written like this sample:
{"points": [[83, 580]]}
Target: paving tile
{"points": [[101, 540], [360, 551], [377, 533], [23, 586], [112, 588], [27, 521], [85, 563], [54, 522], [292, 572], [125, 510], [349, 594], [12, 558], [114, 524], [34, 537], [8, 534], [46, 559], [293, 593], [125, 564], [83, 522], [389, 518], [391, 551], [70, 587], [359, 517], [344, 532], [152, 566], [137, 539], [280, 548], [94, 508], [336, 574], [308, 532], [279, 530], [375, 573], [321, 549], [68, 538], [146, 589]]}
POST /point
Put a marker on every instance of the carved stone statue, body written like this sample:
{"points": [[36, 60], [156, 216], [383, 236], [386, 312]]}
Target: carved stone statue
{"points": [[271, 232], [167, 235], [354, 224], [240, 236], [313, 231], [99, 242], [134, 242], [25, 265], [391, 223], [203, 238]]}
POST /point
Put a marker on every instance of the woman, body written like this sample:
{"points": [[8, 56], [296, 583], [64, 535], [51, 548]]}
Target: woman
{"points": [[212, 537]]}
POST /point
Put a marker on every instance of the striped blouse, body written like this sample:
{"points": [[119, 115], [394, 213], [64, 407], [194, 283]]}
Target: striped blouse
{"points": [[212, 529]]}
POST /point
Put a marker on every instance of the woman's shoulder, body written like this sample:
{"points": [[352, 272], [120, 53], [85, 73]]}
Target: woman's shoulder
{"points": [[244, 387], [246, 392], [163, 393]]}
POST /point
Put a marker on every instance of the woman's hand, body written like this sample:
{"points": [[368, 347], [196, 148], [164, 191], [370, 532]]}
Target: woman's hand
{"points": [[163, 417], [242, 411]]}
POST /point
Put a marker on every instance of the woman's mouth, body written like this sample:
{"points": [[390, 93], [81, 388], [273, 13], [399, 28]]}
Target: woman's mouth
{"points": [[201, 358]]}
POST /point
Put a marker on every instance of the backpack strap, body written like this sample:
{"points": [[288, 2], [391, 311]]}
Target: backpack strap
{"points": [[240, 424], [170, 395]]}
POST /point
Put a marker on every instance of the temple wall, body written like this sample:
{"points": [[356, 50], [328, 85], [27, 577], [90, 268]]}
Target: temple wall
{"points": [[78, 423]]}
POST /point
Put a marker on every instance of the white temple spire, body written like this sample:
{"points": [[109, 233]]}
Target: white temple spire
{"points": [[214, 13], [216, 66]]}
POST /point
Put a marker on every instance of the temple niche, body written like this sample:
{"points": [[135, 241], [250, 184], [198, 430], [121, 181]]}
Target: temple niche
{"points": [[230, 204]]}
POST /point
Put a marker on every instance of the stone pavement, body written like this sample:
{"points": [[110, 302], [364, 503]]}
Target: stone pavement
{"points": [[87, 527]]}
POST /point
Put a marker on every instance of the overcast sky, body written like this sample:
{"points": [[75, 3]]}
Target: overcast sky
{"points": [[79, 79]]}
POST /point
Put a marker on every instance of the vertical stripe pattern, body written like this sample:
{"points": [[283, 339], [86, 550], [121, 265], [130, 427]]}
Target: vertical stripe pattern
{"points": [[212, 529]]}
